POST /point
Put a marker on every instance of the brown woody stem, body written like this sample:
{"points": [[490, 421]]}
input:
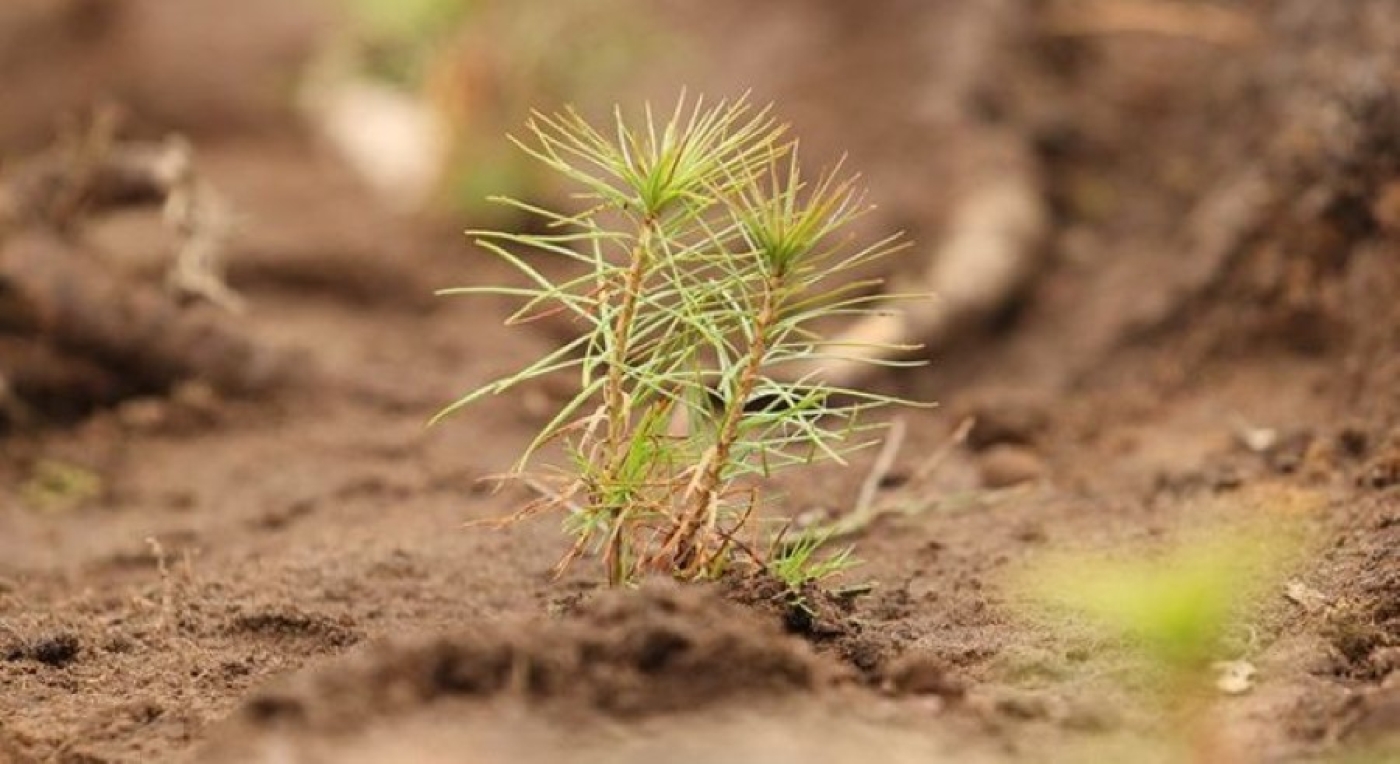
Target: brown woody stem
{"points": [[689, 551], [615, 393]]}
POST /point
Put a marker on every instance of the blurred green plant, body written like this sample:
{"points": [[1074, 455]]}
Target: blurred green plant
{"points": [[484, 64], [408, 28], [1384, 752], [1176, 609], [804, 560], [704, 255], [56, 486]]}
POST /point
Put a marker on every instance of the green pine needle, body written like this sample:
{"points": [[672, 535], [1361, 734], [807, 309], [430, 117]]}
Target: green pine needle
{"points": [[703, 257]]}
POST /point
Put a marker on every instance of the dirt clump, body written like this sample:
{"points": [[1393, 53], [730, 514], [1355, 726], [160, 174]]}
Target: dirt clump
{"points": [[659, 650], [56, 651], [822, 616]]}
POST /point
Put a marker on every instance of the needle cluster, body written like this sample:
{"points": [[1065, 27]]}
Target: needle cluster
{"points": [[704, 256]]}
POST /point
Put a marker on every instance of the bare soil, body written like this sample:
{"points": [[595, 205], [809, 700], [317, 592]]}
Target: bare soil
{"points": [[286, 576]]}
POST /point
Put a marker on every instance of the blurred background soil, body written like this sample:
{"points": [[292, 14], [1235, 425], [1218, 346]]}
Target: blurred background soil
{"points": [[225, 533]]}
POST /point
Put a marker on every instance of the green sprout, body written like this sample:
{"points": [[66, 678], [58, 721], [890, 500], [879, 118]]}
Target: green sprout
{"points": [[798, 563], [702, 257], [480, 64], [57, 486], [1175, 608], [1177, 611]]}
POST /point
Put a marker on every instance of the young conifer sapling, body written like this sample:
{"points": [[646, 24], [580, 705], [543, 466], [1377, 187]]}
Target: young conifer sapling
{"points": [[704, 256]]}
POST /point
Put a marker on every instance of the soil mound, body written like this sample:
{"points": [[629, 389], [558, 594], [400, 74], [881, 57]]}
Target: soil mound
{"points": [[663, 649]]}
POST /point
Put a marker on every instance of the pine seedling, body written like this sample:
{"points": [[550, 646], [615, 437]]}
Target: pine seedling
{"points": [[704, 257]]}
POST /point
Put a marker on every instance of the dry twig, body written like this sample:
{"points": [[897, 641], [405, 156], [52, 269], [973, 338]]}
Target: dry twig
{"points": [[881, 468]]}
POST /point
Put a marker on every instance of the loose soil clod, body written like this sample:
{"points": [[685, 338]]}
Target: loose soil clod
{"points": [[662, 649], [56, 651]]}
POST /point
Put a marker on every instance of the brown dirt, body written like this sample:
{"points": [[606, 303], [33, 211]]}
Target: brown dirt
{"points": [[286, 578]]}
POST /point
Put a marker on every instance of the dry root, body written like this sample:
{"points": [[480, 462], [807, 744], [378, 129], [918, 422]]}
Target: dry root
{"points": [[95, 175], [76, 332]]}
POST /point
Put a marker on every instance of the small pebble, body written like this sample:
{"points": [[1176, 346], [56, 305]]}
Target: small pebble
{"points": [[145, 414], [1234, 677], [1005, 420], [1006, 466]]}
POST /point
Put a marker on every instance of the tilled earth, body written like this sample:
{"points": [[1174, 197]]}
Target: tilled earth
{"points": [[288, 578]]}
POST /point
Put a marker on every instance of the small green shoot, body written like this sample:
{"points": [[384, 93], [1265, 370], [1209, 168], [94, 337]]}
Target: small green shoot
{"points": [[1176, 611], [798, 563], [479, 64], [57, 486], [1175, 608], [702, 257]]}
